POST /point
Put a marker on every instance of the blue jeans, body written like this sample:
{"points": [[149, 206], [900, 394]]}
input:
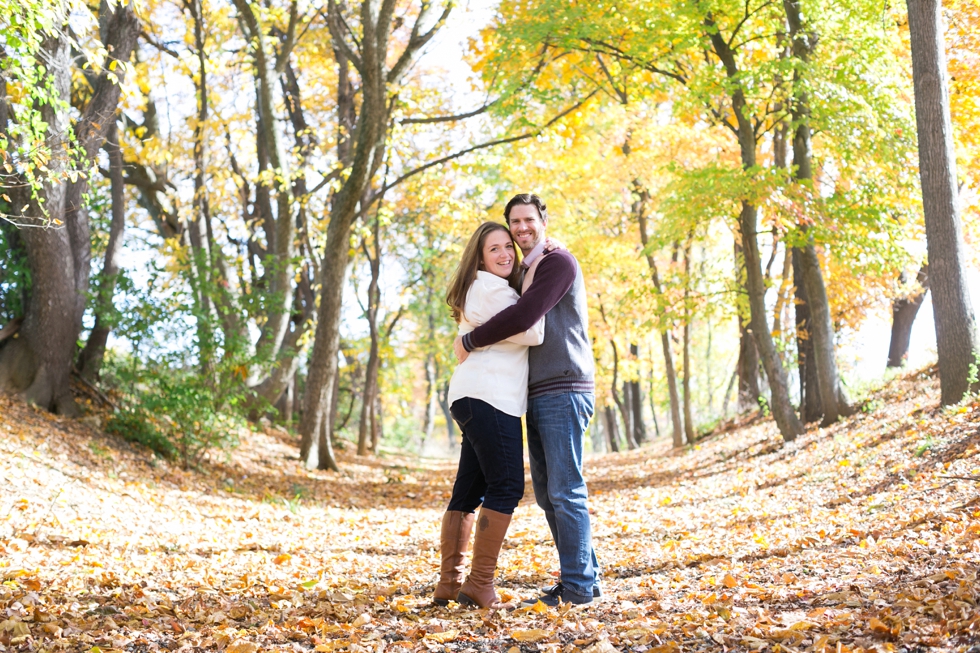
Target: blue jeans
{"points": [[491, 460], [555, 430]]}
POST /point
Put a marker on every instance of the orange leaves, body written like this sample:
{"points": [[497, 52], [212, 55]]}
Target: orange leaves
{"points": [[443, 637], [533, 635], [876, 566]]}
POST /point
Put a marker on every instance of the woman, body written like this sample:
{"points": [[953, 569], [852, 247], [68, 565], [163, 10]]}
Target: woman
{"points": [[487, 396]]}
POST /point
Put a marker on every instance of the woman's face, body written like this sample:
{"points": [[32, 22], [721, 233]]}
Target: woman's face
{"points": [[498, 253]]}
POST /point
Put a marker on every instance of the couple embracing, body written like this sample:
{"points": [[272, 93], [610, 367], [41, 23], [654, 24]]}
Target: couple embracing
{"points": [[519, 352]]}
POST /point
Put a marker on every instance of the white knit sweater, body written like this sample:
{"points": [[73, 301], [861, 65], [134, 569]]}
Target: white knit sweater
{"points": [[496, 374]]}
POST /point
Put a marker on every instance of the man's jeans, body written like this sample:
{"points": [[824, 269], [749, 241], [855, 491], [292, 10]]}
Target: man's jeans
{"points": [[555, 430]]}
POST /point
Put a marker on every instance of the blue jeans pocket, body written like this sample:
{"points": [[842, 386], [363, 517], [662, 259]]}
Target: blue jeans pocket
{"points": [[462, 412]]}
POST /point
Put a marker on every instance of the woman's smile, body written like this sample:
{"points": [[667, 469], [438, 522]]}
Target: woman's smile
{"points": [[498, 254]]}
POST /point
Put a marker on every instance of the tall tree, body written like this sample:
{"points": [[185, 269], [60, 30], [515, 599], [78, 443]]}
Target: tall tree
{"points": [[810, 409], [821, 330], [39, 362], [689, 432], [368, 51], [642, 196], [957, 339], [92, 355]]}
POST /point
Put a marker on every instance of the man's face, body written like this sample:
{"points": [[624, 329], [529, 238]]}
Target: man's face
{"points": [[526, 226]]}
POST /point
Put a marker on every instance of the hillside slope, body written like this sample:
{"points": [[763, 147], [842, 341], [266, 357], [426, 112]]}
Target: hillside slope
{"points": [[859, 536]]}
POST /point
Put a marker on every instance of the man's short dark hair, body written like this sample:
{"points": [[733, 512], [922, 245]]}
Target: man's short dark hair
{"points": [[526, 198]]}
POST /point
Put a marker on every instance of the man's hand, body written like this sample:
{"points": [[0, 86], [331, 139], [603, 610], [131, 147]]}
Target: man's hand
{"points": [[459, 349], [551, 244]]}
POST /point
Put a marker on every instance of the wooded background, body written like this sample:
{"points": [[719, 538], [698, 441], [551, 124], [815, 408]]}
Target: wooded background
{"points": [[223, 210]]}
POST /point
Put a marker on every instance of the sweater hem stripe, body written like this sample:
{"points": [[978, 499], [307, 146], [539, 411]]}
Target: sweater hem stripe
{"points": [[561, 386]]}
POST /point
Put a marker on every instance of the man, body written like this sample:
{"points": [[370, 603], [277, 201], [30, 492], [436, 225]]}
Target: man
{"points": [[561, 393]]}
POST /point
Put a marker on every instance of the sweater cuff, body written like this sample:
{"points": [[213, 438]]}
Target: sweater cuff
{"points": [[468, 342]]}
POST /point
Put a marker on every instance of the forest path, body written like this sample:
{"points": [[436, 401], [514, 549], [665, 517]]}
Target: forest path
{"points": [[851, 537]]}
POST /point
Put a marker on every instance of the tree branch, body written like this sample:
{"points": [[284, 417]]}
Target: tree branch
{"points": [[460, 116], [334, 22], [501, 141], [149, 38], [622, 94], [417, 41], [290, 40]]}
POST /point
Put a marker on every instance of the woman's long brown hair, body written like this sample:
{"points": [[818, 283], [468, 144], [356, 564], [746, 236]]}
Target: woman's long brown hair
{"points": [[465, 274]]}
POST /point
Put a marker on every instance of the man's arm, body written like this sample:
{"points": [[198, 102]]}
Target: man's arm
{"points": [[552, 279]]}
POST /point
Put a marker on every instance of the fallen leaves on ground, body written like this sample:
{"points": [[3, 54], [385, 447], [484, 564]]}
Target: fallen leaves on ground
{"points": [[862, 536]]}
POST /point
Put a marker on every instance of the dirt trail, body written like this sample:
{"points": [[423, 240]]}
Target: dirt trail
{"points": [[852, 537]]}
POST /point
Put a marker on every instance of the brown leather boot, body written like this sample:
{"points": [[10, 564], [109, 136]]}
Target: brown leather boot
{"points": [[490, 532], [457, 527]]}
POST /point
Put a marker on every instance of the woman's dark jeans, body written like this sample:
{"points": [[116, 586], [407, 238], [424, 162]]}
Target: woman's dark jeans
{"points": [[491, 460]]}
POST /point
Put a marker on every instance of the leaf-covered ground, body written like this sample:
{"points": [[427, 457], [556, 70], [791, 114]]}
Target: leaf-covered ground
{"points": [[853, 537]]}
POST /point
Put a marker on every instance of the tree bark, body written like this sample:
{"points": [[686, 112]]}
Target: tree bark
{"points": [[368, 55], [283, 246], [904, 311], [90, 360], [639, 210], [810, 409], [821, 327], [431, 400], [957, 338], [636, 394], [624, 410], [748, 355], [39, 363], [689, 433], [653, 409], [366, 429], [612, 429], [782, 410]]}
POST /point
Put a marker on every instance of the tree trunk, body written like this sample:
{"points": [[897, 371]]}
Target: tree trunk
{"points": [[904, 310], [782, 410], [689, 433], [623, 408], [283, 245], [636, 394], [639, 210], [653, 410], [749, 391], [371, 381], [728, 392], [451, 433], [90, 360], [957, 338], [626, 413], [431, 400], [821, 328], [323, 451], [368, 147], [39, 363], [612, 429], [810, 409], [821, 335], [377, 423]]}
